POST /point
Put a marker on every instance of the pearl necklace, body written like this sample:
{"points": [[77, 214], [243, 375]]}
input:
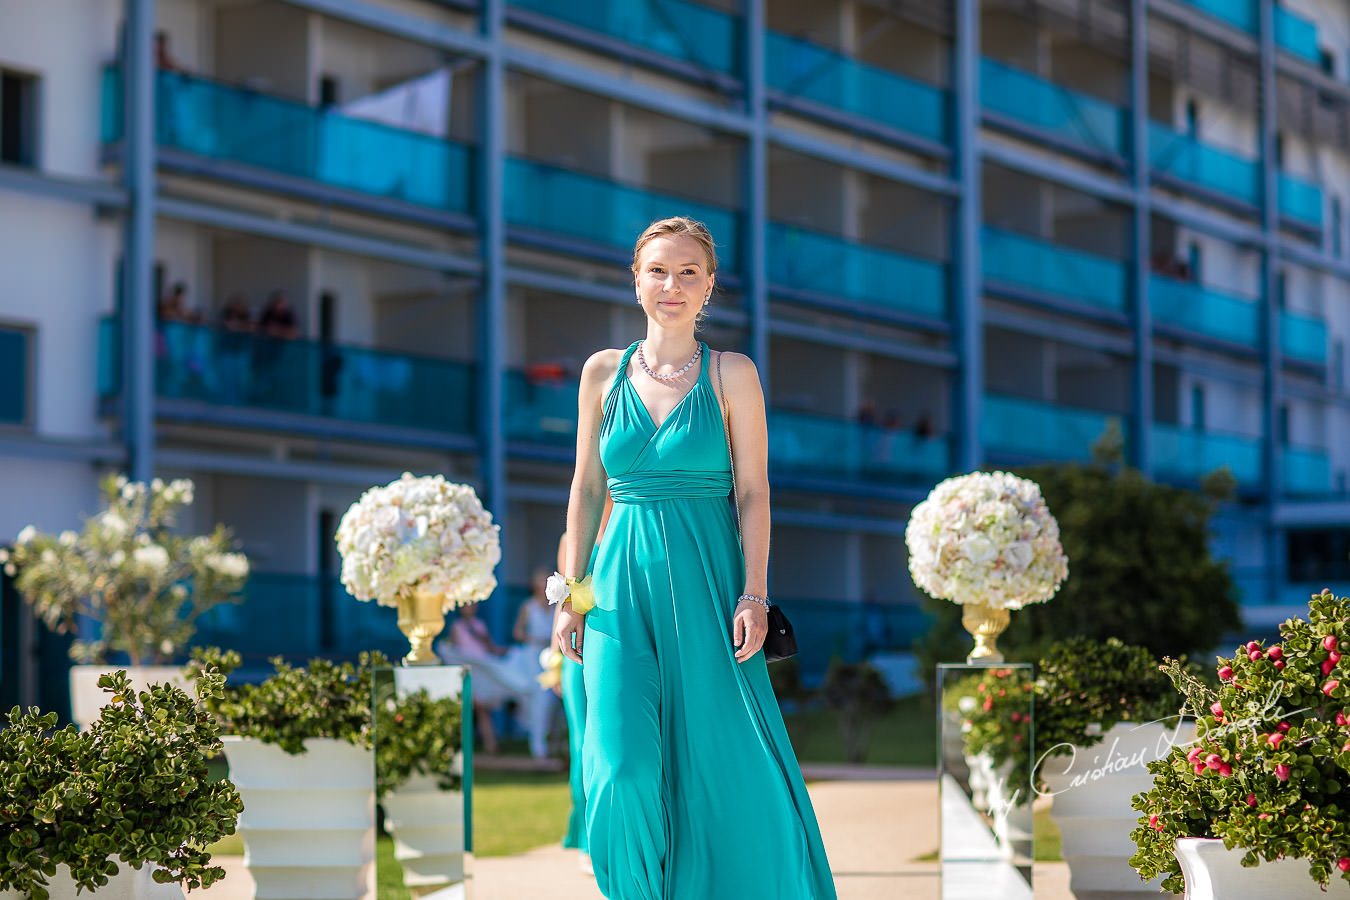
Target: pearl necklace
{"points": [[642, 361]]}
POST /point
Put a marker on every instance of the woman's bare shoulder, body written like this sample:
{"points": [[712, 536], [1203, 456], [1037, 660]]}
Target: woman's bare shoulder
{"points": [[737, 368], [601, 366]]}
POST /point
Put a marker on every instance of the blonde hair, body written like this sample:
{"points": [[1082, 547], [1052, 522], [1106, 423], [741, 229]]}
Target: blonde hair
{"points": [[678, 226]]}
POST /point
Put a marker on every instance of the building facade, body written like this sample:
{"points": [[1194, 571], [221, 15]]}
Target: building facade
{"points": [[952, 233]]}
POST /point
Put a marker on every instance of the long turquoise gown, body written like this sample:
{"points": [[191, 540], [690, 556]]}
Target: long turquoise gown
{"points": [[692, 787]]}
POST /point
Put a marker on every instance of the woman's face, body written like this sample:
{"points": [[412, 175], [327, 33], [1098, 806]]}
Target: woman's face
{"points": [[673, 280]]}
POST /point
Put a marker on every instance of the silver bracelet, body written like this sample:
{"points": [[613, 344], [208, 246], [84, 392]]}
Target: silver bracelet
{"points": [[762, 601]]}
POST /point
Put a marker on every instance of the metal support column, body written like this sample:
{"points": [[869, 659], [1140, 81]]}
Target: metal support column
{"points": [[1143, 314], [491, 368], [1270, 265], [138, 301], [966, 301], [757, 192]]}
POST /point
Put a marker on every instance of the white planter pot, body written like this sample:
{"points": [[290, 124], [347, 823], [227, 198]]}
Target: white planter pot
{"points": [[427, 825], [309, 820], [87, 698], [127, 884], [1092, 791], [1213, 872]]}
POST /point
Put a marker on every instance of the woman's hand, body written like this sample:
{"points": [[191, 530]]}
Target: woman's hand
{"points": [[749, 627], [569, 625]]}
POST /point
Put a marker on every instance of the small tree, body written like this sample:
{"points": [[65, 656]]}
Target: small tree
{"points": [[858, 693], [129, 571], [1138, 558]]}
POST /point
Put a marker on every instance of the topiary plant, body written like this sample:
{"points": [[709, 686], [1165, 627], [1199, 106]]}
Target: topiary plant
{"points": [[1082, 688], [416, 734], [858, 693], [1270, 770], [324, 700], [133, 788]]}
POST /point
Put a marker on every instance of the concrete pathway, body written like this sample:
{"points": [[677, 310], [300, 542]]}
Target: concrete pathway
{"points": [[876, 829]]}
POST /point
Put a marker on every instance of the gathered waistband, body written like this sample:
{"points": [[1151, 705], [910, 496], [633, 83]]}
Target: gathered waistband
{"points": [[645, 487]]}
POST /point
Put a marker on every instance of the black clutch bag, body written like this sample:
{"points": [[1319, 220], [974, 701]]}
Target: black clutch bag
{"points": [[781, 643]]}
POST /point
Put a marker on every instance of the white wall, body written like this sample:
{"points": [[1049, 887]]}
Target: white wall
{"points": [[49, 495]]}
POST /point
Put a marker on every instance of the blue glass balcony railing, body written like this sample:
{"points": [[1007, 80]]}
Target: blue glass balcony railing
{"points": [[1058, 272], [1303, 338], [1070, 116], [676, 28], [824, 264], [1297, 35], [850, 630], [835, 448], [1300, 200], [337, 381], [1186, 158], [300, 617], [541, 410], [1190, 455], [1028, 429], [14, 377], [802, 69], [1193, 307], [1306, 471], [603, 211], [1238, 13], [242, 126]]}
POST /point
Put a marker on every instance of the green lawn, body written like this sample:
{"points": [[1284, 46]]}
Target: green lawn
{"points": [[518, 811], [906, 736]]}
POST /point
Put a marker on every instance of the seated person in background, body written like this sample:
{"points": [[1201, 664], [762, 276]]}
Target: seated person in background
{"points": [[495, 680], [534, 632]]}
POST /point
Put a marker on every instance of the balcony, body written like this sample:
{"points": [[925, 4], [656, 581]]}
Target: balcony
{"points": [[1303, 338], [310, 378], [1188, 160], [541, 410], [1306, 471], [1031, 266], [300, 617], [850, 630], [235, 125], [1186, 455], [569, 205], [1033, 431], [801, 260], [800, 69], [1201, 310], [1240, 14], [683, 31], [1071, 117], [1300, 201], [1297, 35], [803, 443]]}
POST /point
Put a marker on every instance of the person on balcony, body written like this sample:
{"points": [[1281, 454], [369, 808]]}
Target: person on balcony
{"points": [[276, 383], [236, 348]]}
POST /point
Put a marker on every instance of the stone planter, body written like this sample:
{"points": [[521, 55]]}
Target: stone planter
{"points": [[309, 820], [127, 884], [1092, 791], [427, 825], [87, 698], [1213, 872]]}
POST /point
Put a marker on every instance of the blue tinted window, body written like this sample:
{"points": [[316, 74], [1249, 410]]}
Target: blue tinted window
{"points": [[14, 389]]}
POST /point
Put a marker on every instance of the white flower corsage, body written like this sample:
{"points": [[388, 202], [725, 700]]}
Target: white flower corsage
{"points": [[557, 589]]}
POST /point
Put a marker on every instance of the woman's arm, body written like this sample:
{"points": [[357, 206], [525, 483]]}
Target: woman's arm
{"points": [[750, 457], [586, 502]]}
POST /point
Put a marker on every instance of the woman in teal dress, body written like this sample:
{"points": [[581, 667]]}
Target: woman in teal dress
{"points": [[692, 788]]}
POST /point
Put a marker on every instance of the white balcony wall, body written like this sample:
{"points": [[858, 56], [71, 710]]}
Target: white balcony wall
{"points": [[560, 126], [535, 529], [183, 252], [1303, 290], [269, 517], [65, 43], [422, 312], [1307, 422], [809, 378], [50, 495], [810, 564], [1087, 69], [890, 43], [1012, 38], [1218, 124], [1229, 407], [1224, 266], [904, 219], [885, 570], [557, 328], [907, 390], [186, 24], [810, 194], [827, 23], [365, 62]]}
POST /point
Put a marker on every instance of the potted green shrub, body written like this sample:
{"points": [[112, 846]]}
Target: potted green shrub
{"points": [[299, 749], [132, 789], [1267, 782], [419, 771], [128, 570]]}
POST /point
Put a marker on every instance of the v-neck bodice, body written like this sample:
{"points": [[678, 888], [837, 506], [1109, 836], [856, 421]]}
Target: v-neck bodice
{"points": [[685, 456]]}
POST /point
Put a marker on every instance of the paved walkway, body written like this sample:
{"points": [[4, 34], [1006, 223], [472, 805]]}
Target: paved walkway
{"points": [[877, 825]]}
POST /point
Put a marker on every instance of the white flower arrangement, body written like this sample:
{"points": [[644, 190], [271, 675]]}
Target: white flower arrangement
{"points": [[419, 534], [986, 537]]}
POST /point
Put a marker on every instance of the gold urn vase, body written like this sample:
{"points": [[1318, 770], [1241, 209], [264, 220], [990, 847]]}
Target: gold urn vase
{"points": [[421, 617], [986, 623]]}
